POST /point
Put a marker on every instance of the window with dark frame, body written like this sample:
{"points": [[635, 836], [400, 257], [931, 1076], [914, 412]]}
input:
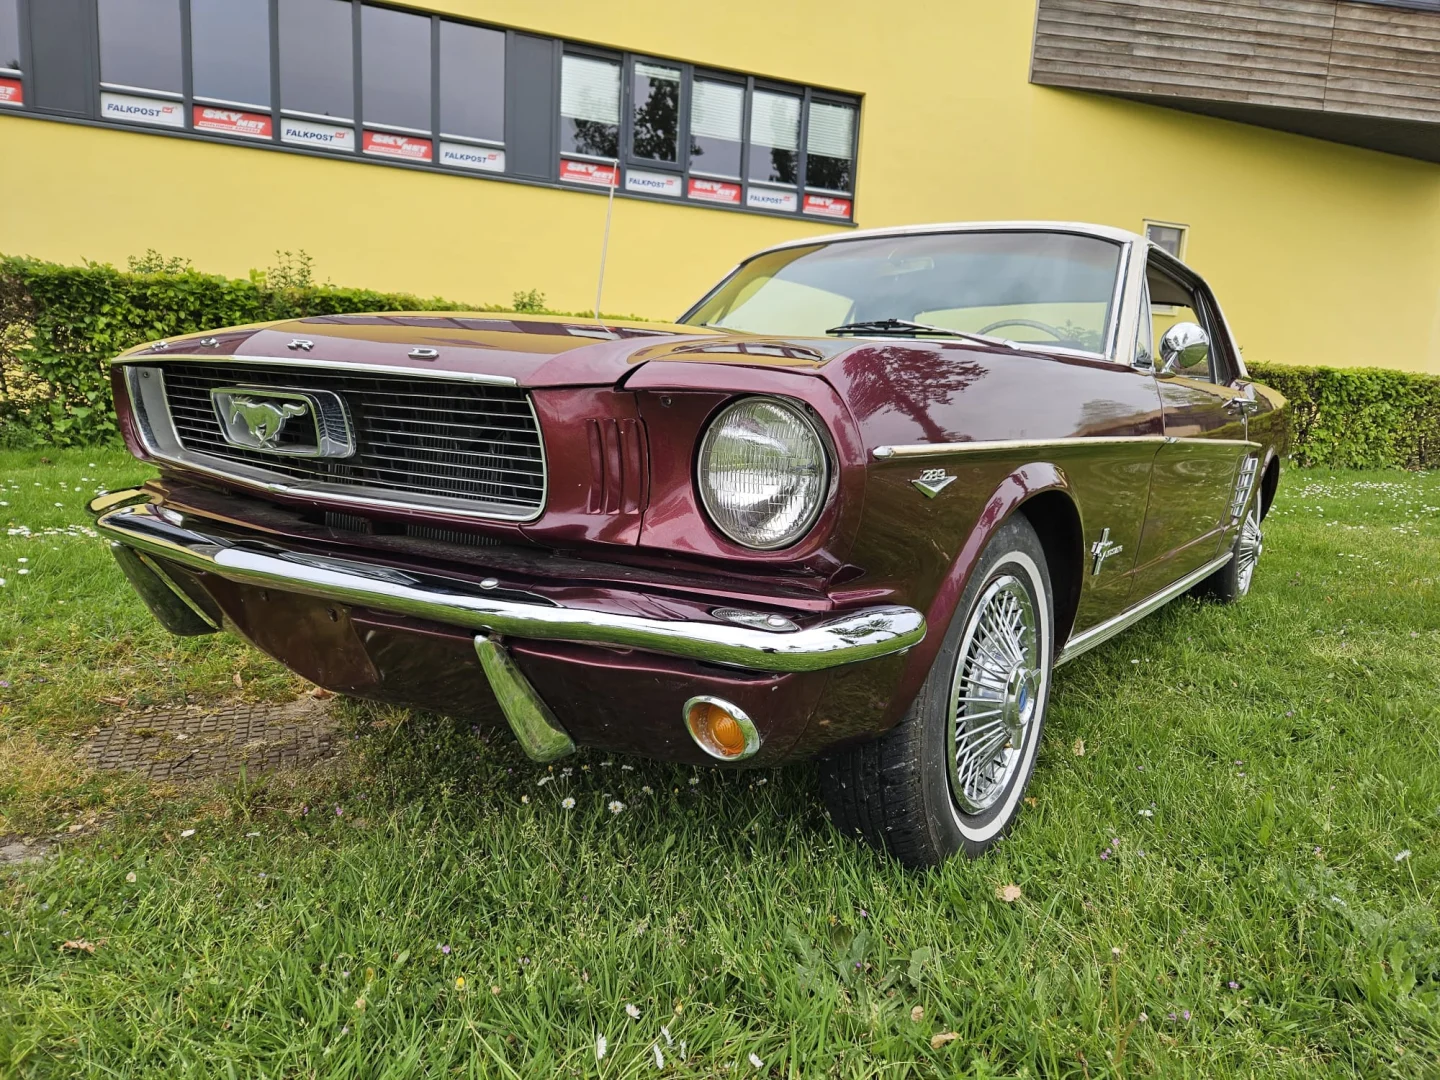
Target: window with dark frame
{"points": [[317, 73], [431, 90], [395, 87], [655, 112], [589, 106], [12, 86], [140, 60], [717, 127], [472, 97], [230, 61], [775, 138]]}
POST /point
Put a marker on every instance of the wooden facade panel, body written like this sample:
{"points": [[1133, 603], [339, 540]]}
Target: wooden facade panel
{"points": [[1343, 57], [1163, 58]]}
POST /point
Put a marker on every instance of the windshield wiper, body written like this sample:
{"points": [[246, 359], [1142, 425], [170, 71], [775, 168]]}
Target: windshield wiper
{"points": [[906, 326]]}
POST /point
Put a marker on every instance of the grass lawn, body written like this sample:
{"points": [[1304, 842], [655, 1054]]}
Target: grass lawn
{"points": [[1229, 868]]}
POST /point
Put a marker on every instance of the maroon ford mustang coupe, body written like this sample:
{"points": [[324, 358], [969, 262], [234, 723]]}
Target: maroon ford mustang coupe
{"points": [[857, 505]]}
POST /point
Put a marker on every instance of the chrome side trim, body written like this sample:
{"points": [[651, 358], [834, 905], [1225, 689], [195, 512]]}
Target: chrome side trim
{"points": [[536, 729], [842, 639], [323, 365], [1096, 635], [996, 446]]}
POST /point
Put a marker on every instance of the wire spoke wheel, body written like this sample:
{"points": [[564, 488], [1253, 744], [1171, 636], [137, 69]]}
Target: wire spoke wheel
{"points": [[994, 695], [1247, 552]]}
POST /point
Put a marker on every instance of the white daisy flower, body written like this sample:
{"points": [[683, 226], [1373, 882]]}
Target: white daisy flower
{"points": [[616, 806], [1398, 858], [601, 1045], [568, 803], [755, 1060], [632, 1011]]}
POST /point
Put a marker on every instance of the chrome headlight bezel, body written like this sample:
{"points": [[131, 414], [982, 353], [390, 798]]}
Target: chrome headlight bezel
{"points": [[823, 456]]}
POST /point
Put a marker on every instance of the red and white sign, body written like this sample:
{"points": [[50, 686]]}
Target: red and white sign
{"points": [[12, 92], [715, 191], [467, 156], [827, 206], [589, 172], [770, 199], [305, 133], [653, 183], [404, 147], [229, 122], [140, 110]]}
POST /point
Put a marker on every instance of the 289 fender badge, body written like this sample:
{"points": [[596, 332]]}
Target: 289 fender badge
{"points": [[1102, 549], [932, 482]]}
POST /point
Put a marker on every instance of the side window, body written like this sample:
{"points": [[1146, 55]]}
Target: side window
{"points": [[1172, 302]]}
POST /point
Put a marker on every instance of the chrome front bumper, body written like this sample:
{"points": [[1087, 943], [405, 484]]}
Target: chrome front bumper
{"points": [[153, 530]]}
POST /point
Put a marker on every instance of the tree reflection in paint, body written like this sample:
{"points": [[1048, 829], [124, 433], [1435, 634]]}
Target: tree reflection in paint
{"points": [[916, 382]]}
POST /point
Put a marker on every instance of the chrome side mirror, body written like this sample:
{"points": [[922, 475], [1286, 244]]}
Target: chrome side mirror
{"points": [[1184, 346]]}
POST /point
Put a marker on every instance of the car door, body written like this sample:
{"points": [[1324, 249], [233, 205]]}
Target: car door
{"points": [[1195, 471]]}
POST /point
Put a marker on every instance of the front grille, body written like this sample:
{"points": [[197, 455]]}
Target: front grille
{"points": [[417, 440]]}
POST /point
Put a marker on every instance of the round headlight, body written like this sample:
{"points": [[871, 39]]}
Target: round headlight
{"points": [[763, 473]]}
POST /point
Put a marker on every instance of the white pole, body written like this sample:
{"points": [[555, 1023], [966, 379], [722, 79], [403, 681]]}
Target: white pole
{"points": [[605, 244]]}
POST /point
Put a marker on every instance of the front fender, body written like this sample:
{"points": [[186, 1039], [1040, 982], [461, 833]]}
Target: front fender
{"points": [[1014, 490]]}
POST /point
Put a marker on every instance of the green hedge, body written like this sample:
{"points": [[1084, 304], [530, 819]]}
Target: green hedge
{"points": [[60, 326], [1359, 417]]}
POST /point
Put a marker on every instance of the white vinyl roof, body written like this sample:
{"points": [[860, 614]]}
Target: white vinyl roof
{"points": [[1104, 232]]}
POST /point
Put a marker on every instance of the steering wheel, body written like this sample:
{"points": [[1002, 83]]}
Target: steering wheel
{"points": [[1033, 324]]}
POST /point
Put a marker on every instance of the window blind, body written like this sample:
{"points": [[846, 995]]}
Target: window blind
{"points": [[655, 71], [775, 120], [832, 130], [717, 110], [590, 90]]}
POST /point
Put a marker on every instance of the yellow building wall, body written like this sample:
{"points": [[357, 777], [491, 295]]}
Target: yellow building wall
{"points": [[1320, 253]]}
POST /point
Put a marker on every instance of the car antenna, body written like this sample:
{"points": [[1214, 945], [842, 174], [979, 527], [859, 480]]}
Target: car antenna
{"points": [[605, 244]]}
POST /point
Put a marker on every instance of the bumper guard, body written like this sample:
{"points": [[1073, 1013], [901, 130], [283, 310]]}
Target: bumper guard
{"points": [[153, 531]]}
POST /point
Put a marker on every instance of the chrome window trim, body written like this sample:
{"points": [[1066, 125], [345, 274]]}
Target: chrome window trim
{"points": [[1119, 297], [162, 444], [995, 446], [324, 365]]}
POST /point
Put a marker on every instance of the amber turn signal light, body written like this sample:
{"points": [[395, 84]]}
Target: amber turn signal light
{"points": [[721, 729]]}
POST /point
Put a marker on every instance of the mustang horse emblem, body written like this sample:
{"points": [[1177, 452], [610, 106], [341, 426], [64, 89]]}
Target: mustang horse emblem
{"points": [[263, 419]]}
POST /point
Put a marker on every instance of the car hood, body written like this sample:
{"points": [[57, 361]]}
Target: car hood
{"points": [[532, 350]]}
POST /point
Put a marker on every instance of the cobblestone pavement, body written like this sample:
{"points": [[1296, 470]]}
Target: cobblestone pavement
{"points": [[197, 741]]}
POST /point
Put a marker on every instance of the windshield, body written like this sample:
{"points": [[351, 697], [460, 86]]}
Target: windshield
{"points": [[1045, 288]]}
